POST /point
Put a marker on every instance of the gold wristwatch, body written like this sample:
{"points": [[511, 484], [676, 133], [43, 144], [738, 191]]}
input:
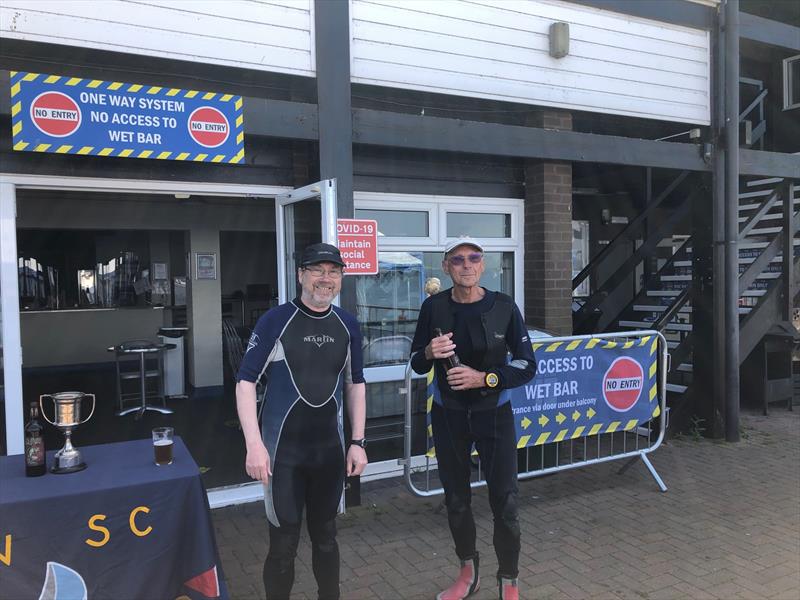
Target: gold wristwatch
{"points": [[491, 380]]}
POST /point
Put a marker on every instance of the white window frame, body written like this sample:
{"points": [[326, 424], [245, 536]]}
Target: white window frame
{"points": [[583, 290], [789, 103], [382, 201], [437, 207]]}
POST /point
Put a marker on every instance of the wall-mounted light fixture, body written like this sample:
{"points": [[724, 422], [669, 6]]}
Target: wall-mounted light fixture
{"points": [[559, 40]]}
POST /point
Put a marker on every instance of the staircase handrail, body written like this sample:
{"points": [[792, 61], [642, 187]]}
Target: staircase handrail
{"points": [[757, 132], [625, 234], [762, 211], [648, 245], [758, 100], [674, 307], [679, 254]]}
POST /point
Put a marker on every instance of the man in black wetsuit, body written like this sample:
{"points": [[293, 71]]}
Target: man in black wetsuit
{"points": [[309, 353], [482, 327]]}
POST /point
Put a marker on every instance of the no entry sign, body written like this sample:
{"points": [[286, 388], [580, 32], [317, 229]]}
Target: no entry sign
{"points": [[358, 243], [55, 114], [208, 127], [622, 384]]}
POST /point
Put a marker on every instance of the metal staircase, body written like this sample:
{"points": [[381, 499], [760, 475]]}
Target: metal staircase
{"points": [[665, 300], [769, 219]]}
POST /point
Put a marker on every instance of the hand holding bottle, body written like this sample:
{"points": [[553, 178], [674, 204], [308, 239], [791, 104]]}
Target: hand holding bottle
{"points": [[442, 347]]}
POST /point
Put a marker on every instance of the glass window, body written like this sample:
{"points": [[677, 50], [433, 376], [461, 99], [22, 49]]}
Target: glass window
{"points": [[385, 419], [498, 274], [479, 225], [397, 223], [580, 255], [791, 82], [64, 269], [388, 303]]}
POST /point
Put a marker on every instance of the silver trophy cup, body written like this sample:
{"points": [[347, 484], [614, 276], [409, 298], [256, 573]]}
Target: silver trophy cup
{"points": [[66, 417]]}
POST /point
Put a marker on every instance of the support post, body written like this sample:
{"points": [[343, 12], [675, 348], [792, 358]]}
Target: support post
{"points": [[12, 344], [716, 377], [548, 235], [787, 193], [332, 43], [732, 220]]}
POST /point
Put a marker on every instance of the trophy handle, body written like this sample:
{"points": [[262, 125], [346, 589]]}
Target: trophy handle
{"points": [[92, 412], [41, 408]]}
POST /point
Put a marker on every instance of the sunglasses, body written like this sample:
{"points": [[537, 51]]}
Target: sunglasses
{"points": [[458, 260]]}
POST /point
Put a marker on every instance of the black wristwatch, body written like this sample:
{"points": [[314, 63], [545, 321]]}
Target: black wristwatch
{"points": [[361, 443]]}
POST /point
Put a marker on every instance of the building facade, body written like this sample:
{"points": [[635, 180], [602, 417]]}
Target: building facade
{"points": [[589, 156]]}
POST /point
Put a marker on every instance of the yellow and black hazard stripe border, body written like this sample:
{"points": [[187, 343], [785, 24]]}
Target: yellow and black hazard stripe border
{"points": [[548, 437], [19, 78]]}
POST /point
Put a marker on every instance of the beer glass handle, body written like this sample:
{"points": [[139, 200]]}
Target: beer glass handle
{"points": [[41, 407], [91, 413]]}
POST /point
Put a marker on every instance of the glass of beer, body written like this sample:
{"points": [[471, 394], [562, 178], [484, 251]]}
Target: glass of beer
{"points": [[162, 445]]}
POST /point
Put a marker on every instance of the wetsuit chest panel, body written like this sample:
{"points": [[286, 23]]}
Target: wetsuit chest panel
{"points": [[316, 353]]}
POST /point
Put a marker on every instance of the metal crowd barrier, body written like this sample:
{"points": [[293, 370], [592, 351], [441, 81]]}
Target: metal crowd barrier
{"points": [[630, 444]]}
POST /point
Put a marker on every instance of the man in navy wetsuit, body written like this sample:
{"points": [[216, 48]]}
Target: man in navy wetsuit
{"points": [[309, 354], [482, 327]]}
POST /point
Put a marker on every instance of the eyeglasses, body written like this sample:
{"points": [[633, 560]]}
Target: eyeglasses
{"points": [[319, 272], [458, 260]]}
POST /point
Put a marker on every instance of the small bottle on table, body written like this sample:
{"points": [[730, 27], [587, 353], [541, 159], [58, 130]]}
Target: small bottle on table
{"points": [[34, 444]]}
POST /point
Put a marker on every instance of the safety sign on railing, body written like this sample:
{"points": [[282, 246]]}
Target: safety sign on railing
{"points": [[73, 115], [583, 387], [587, 387]]}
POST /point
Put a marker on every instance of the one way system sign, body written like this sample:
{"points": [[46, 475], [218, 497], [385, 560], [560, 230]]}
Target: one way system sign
{"points": [[72, 115]]}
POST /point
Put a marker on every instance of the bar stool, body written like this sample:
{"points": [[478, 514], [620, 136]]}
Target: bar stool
{"points": [[138, 351]]}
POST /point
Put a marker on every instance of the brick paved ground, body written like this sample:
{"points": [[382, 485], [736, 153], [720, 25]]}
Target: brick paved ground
{"points": [[729, 527]]}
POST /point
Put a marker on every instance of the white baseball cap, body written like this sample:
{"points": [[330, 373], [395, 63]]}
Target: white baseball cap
{"points": [[464, 240]]}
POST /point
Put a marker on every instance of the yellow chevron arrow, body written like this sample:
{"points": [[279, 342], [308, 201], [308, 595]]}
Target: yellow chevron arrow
{"points": [[590, 413], [526, 422], [543, 420], [576, 415], [560, 418]]}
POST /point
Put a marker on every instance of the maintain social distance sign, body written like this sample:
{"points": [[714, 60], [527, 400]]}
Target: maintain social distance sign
{"points": [[70, 115]]}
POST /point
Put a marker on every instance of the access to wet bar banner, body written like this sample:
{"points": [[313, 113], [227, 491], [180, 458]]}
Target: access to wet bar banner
{"points": [[586, 387], [71, 115], [583, 387]]}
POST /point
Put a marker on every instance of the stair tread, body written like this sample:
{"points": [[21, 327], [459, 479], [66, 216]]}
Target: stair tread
{"points": [[675, 387], [647, 324], [658, 308], [758, 244], [766, 181]]}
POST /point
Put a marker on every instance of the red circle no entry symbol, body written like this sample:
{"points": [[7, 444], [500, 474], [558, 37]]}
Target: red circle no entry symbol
{"points": [[55, 114], [623, 383], [208, 127]]}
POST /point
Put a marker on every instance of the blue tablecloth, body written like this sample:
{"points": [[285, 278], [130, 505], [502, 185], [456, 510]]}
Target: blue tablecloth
{"points": [[123, 528]]}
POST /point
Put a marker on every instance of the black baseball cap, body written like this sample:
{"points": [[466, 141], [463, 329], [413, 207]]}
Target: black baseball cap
{"points": [[317, 253]]}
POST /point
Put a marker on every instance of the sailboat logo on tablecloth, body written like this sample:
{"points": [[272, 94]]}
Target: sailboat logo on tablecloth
{"points": [[62, 583]]}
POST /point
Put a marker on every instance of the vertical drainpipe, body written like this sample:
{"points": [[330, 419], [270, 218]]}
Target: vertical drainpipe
{"points": [[731, 220], [718, 402]]}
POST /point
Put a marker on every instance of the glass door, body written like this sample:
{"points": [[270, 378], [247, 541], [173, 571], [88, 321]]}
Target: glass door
{"points": [[303, 216]]}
